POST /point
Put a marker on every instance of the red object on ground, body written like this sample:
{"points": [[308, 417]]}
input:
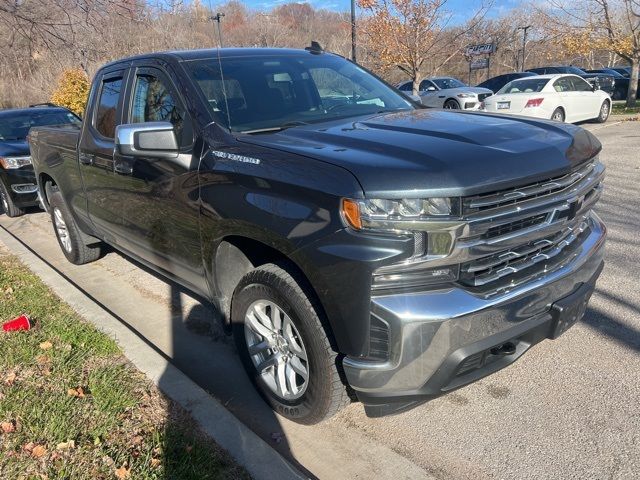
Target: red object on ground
{"points": [[23, 322]]}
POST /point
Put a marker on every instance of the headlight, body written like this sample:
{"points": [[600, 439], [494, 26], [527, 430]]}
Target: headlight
{"points": [[407, 214], [14, 162], [466, 95]]}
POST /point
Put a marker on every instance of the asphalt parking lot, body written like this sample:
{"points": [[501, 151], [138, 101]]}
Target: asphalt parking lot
{"points": [[569, 409]]}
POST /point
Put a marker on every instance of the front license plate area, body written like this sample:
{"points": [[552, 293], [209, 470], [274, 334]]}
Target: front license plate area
{"points": [[504, 105], [569, 310]]}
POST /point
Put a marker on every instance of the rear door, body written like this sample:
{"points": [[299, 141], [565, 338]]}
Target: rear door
{"points": [[159, 196], [95, 154], [569, 98]]}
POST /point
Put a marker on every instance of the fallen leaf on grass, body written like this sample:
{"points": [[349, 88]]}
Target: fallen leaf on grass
{"points": [[155, 462], [10, 378], [38, 451], [42, 359], [71, 444], [46, 345], [76, 392], [7, 427], [8, 290], [123, 472]]}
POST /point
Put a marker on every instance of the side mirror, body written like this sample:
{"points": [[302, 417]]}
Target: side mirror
{"points": [[149, 139], [595, 86], [431, 89]]}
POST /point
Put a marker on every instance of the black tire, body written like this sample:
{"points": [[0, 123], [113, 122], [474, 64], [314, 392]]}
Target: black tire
{"points": [[73, 246], [605, 111], [451, 105], [7, 204], [324, 393], [558, 115]]}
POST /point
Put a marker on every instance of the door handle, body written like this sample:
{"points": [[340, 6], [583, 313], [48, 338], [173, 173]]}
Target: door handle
{"points": [[86, 158]]}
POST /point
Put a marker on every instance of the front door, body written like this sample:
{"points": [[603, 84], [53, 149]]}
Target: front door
{"points": [[159, 196]]}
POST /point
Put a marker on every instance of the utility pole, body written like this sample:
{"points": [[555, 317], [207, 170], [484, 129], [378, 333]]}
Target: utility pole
{"points": [[353, 31], [217, 17], [524, 43]]}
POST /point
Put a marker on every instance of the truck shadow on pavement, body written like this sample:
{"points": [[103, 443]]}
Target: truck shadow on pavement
{"points": [[213, 364]]}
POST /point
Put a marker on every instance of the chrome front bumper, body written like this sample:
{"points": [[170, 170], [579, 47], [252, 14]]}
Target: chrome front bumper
{"points": [[432, 332]]}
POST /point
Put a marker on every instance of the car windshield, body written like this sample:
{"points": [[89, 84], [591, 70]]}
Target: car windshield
{"points": [[268, 93], [574, 70], [15, 126], [446, 83], [527, 85]]}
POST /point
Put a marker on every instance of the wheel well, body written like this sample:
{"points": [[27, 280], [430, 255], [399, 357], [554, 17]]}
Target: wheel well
{"points": [[48, 184], [450, 99], [236, 256]]}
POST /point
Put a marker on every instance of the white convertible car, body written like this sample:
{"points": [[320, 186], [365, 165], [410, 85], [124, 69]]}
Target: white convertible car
{"points": [[565, 98]]}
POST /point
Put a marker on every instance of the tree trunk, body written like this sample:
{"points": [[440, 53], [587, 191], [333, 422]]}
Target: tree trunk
{"points": [[633, 82], [416, 85]]}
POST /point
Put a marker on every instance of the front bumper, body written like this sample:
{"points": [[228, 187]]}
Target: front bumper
{"points": [[21, 185], [436, 336]]}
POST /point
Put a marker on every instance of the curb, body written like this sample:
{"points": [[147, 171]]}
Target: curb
{"points": [[245, 447]]}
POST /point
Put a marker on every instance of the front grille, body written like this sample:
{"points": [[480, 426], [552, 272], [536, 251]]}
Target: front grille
{"points": [[517, 195], [544, 254], [515, 226], [482, 96]]}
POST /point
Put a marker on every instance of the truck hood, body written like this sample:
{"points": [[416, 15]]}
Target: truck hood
{"points": [[10, 148], [437, 152]]}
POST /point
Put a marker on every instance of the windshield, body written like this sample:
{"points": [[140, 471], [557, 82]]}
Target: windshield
{"points": [[446, 83], [574, 70], [527, 85], [15, 126], [268, 93]]}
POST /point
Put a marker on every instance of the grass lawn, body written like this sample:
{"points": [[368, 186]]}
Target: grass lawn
{"points": [[72, 407], [619, 108]]}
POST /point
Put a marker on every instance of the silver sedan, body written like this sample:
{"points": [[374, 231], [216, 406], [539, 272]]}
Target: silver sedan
{"points": [[447, 92]]}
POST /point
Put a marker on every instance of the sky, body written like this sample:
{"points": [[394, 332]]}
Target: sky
{"points": [[460, 8]]}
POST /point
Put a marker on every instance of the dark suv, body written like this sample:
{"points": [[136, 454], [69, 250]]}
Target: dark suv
{"points": [[18, 186], [601, 81]]}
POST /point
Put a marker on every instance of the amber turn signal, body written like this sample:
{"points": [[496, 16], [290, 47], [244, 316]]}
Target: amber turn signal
{"points": [[351, 213]]}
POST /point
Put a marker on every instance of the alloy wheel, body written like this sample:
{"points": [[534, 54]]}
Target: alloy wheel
{"points": [[61, 230], [276, 349], [604, 111]]}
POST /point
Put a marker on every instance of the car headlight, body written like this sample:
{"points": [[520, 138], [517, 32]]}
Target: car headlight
{"points": [[407, 214], [466, 95], [14, 162]]}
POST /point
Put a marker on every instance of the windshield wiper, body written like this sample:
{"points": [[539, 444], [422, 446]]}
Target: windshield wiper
{"points": [[284, 126]]}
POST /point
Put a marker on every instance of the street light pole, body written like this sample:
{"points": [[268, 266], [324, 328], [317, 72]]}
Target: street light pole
{"points": [[353, 31], [524, 43]]}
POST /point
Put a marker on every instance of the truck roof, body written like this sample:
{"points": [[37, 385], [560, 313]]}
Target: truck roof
{"points": [[205, 53]]}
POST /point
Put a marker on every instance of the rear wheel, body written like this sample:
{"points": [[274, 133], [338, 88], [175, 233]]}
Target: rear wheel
{"points": [[284, 346], [558, 115], [605, 110], [7, 204], [68, 234], [451, 105]]}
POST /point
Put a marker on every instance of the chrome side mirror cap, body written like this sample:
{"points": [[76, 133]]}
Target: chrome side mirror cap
{"points": [[149, 139]]}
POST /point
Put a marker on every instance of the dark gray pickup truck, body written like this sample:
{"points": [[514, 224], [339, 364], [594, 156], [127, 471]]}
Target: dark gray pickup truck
{"points": [[357, 245]]}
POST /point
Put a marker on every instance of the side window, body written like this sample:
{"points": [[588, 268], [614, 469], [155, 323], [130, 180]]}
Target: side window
{"points": [[563, 85], [153, 102], [425, 84], [580, 85], [406, 87], [105, 116]]}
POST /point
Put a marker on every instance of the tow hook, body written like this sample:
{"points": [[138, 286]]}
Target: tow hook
{"points": [[505, 349]]}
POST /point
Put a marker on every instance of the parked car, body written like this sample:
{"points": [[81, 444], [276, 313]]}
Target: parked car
{"points": [[622, 83], [557, 97], [447, 92], [496, 83], [602, 81], [624, 71], [363, 242], [18, 187]]}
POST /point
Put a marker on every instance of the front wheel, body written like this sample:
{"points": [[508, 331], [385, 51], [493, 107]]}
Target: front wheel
{"points": [[284, 346], [451, 105], [605, 110], [7, 204], [558, 115]]}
